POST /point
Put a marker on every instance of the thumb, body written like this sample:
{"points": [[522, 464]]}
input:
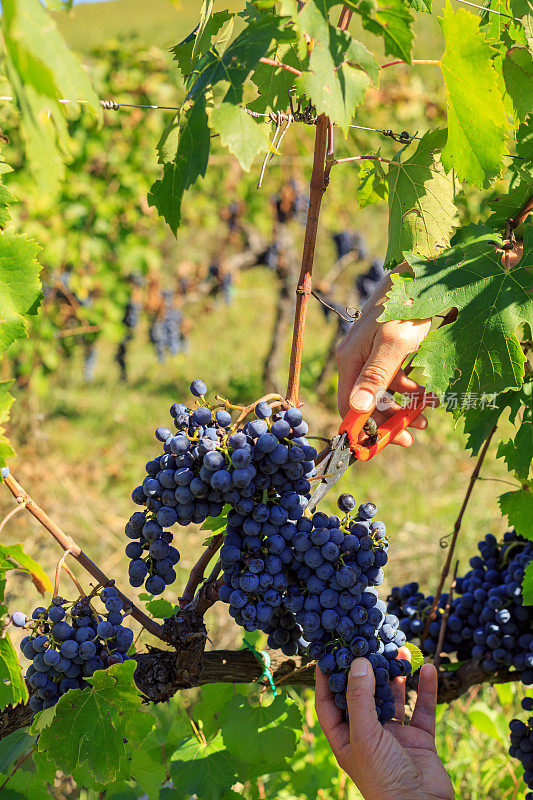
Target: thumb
{"points": [[376, 375], [364, 725]]}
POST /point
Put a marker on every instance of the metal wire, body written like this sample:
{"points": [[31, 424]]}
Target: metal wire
{"points": [[489, 10]]}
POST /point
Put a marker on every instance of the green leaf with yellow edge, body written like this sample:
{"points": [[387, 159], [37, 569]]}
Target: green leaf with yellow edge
{"points": [[15, 554], [390, 19], [518, 75], [479, 353], [517, 506], [270, 732], [422, 212], [12, 685], [527, 585], [474, 151], [417, 657], [83, 733], [205, 769], [242, 135]]}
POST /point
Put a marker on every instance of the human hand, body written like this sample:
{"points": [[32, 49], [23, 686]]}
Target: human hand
{"points": [[370, 356], [393, 761]]}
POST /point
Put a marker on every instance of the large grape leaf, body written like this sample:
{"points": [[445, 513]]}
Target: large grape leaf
{"points": [[422, 212], [340, 69], [476, 112], [42, 70], [269, 732], [273, 83], [517, 506], [243, 136], [84, 732], [189, 164], [204, 769], [13, 746], [479, 353], [12, 685], [479, 420], [518, 74], [390, 19]]}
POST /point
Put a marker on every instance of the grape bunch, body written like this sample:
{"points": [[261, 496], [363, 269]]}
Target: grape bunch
{"points": [[336, 600], [487, 620], [68, 642], [522, 744], [348, 242], [261, 471]]}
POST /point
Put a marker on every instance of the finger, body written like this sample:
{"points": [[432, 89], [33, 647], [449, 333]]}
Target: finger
{"points": [[376, 374], [426, 704], [401, 383], [364, 726], [383, 413], [398, 687], [330, 716]]}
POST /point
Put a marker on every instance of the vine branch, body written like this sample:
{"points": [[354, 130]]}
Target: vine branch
{"points": [[196, 574], [524, 212], [68, 543]]}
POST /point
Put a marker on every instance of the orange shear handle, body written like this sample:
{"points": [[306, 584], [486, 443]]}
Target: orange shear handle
{"points": [[354, 422]]}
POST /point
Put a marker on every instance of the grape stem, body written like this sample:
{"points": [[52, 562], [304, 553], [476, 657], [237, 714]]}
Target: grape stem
{"points": [[456, 529], [445, 617], [196, 574], [61, 565], [267, 398], [68, 543]]}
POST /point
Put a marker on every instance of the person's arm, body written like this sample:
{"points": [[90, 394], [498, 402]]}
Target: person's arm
{"points": [[370, 356], [390, 762]]}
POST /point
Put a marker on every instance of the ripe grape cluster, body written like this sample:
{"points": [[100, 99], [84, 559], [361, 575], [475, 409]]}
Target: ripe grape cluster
{"points": [[348, 242], [314, 581], [68, 642], [367, 282], [487, 619], [261, 471], [522, 744]]}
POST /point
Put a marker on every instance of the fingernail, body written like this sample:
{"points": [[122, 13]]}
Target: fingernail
{"points": [[362, 400], [359, 668]]}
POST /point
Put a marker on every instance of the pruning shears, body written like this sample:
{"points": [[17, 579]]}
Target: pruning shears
{"points": [[345, 447]]}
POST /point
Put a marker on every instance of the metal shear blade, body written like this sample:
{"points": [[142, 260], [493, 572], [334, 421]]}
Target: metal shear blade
{"points": [[332, 468]]}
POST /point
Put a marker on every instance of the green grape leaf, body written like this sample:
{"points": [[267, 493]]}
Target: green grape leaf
{"points": [[422, 212], [479, 353], [372, 184], [267, 732], [160, 608], [207, 711], [15, 554], [84, 732], [518, 452], [481, 417], [417, 657], [527, 585], [207, 770], [390, 19], [273, 83], [243, 136], [216, 524], [237, 61], [12, 686], [474, 151], [518, 75], [42, 70], [489, 721], [20, 288], [190, 164], [13, 746], [148, 771], [188, 52], [340, 69], [517, 506]]}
